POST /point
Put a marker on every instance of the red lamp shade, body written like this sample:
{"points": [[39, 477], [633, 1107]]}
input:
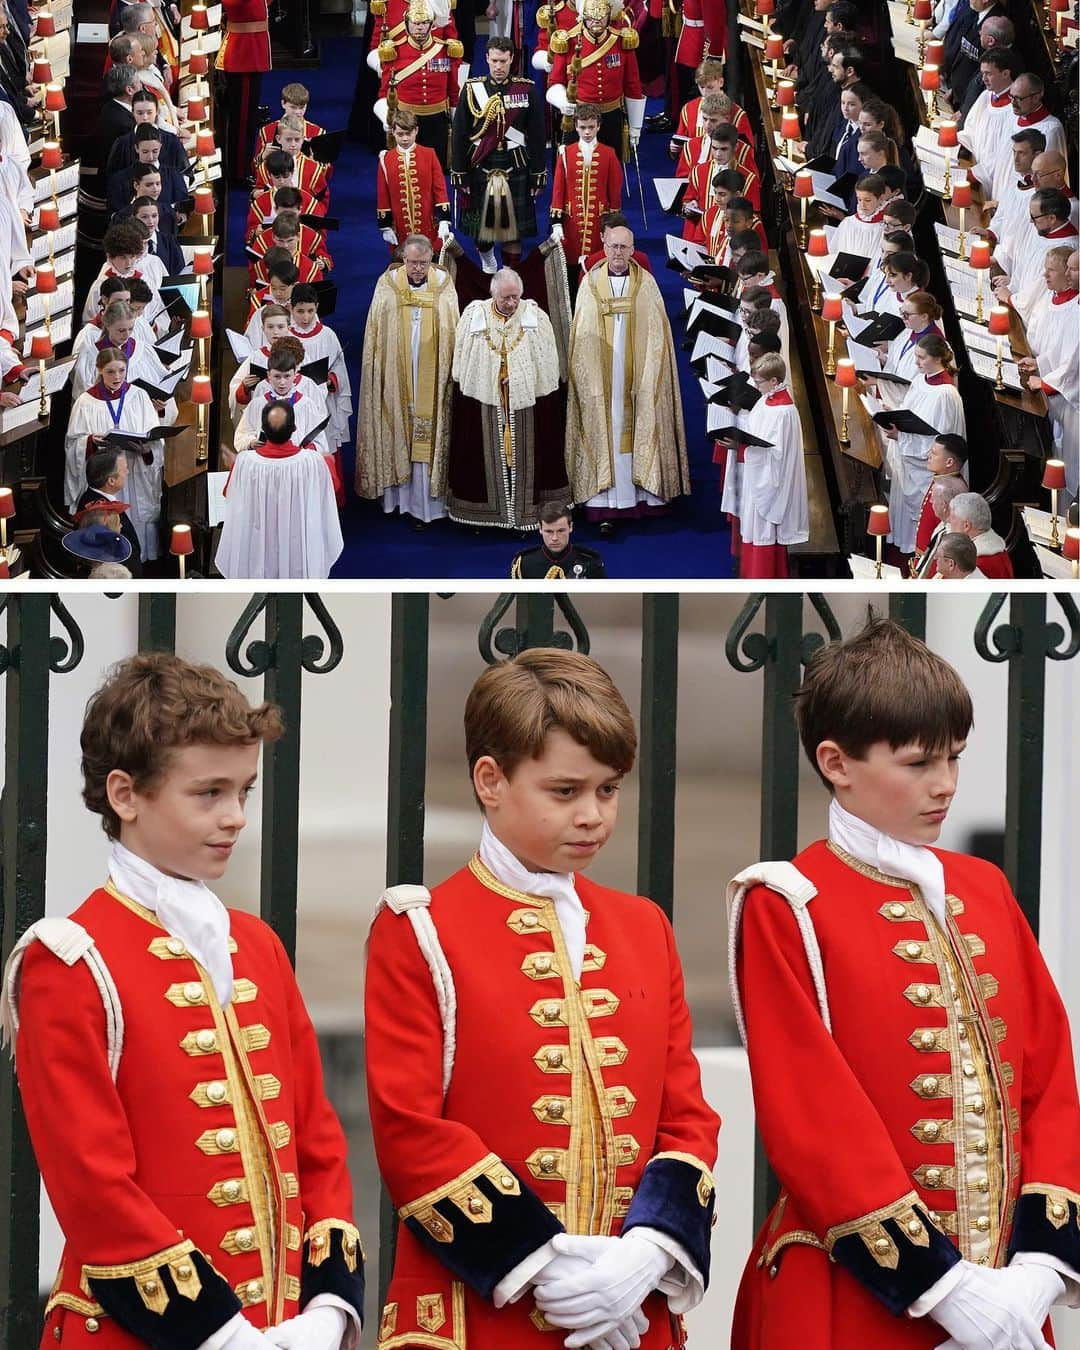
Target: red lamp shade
{"points": [[774, 48], [804, 183], [979, 254], [1070, 545], [5, 570], [7, 503], [946, 135], [51, 155], [961, 194], [765, 7], [42, 73], [999, 320], [202, 262], [202, 390], [200, 324], [1054, 474], [180, 541], [48, 217], [817, 244], [878, 520], [924, 11], [54, 98], [832, 309], [41, 348], [929, 77], [204, 143], [845, 373], [935, 53], [45, 279], [204, 201], [789, 124], [44, 25], [198, 63], [200, 20], [785, 94], [196, 109], [1060, 6]]}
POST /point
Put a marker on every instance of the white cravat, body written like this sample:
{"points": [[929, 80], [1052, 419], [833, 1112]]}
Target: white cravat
{"points": [[910, 862], [188, 910], [557, 886], [586, 148]]}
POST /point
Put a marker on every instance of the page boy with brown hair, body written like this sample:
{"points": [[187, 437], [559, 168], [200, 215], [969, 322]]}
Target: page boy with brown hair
{"points": [[168, 1068], [535, 1101], [911, 1061]]}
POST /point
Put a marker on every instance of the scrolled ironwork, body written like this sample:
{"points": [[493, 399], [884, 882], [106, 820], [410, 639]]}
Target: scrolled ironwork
{"points": [[486, 635], [509, 642], [1072, 612], [754, 646], [1005, 638], [812, 641], [259, 653], [999, 644], [64, 657], [312, 647]]}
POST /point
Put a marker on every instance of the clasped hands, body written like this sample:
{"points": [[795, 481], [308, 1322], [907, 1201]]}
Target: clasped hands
{"points": [[998, 1309], [594, 1288]]}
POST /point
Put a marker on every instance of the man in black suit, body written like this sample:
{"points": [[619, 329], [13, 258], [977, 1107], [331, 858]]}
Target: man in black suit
{"points": [[962, 44], [114, 120], [827, 122], [106, 474]]}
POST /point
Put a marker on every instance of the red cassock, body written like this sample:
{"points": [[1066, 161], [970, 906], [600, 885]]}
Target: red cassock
{"points": [[928, 522], [245, 47], [580, 194], [310, 248], [609, 71], [311, 177], [262, 205], [696, 151], [939, 1117], [691, 124], [995, 565], [211, 1175], [569, 1105], [411, 195]]}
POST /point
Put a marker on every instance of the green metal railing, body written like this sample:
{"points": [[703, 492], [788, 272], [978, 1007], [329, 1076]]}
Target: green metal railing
{"points": [[32, 656]]}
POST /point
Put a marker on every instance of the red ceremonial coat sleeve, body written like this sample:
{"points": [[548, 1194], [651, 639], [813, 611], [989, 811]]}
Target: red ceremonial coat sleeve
{"points": [[559, 67], [440, 196], [613, 180], [795, 1066], [383, 204], [558, 187], [631, 76]]}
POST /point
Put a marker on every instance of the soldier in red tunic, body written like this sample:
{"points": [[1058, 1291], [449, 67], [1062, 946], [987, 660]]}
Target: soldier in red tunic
{"points": [[911, 1060], [588, 183], [168, 1068], [243, 56], [420, 73], [596, 62], [410, 190], [535, 1100]]}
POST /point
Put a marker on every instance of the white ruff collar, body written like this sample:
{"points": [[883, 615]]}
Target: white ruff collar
{"points": [[188, 910], [909, 862]]}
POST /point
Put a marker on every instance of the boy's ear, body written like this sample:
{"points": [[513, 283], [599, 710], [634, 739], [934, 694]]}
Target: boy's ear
{"points": [[832, 763], [120, 790], [488, 780]]}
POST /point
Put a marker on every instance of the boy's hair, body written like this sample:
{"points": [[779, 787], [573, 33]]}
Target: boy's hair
{"points": [[286, 353], [272, 311], [124, 239], [710, 69], [296, 93], [139, 290], [305, 294], [753, 264], [725, 133], [901, 211], [729, 180], [404, 118], [883, 685], [960, 549], [286, 224], [278, 162], [871, 183], [290, 122], [513, 705], [587, 112], [152, 704], [113, 285], [770, 368], [716, 104], [287, 198]]}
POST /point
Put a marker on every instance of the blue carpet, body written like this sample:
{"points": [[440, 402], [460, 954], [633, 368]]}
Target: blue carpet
{"points": [[690, 542]]}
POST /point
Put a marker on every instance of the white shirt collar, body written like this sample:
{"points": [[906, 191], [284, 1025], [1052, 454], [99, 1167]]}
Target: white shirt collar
{"points": [[909, 862]]}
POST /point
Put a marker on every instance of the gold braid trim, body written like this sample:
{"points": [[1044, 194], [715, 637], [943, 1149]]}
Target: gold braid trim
{"points": [[707, 1182], [147, 1276], [318, 1239], [878, 1242], [1057, 1201]]}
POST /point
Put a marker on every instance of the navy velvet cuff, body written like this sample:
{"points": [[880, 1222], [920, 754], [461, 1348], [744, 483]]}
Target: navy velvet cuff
{"points": [[185, 1323], [332, 1275], [1047, 1222], [678, 1199], [917, 1267]]}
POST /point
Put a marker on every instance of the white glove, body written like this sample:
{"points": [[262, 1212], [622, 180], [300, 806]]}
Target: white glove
{"points": [[316, 1329], [985, 1312], [595, 1302], [236, 1334], [557, 233], [390, 237], [626, 1336], [444, 230], [635, 135], [1040, 1286]]}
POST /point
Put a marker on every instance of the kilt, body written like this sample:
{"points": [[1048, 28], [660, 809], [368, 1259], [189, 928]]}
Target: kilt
{"points": [[486, 218]]}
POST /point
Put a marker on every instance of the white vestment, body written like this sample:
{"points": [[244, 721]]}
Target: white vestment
{"points": [[773, 506], [309, 409], [940, 407]]}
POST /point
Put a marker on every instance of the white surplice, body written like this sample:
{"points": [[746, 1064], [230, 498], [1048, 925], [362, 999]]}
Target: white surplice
{"points": [[940, 407]]}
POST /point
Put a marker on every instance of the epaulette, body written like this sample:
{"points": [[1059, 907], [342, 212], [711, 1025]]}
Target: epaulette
{"points": [[454, 49], [630, 40], [559, 43], [543, 17]]}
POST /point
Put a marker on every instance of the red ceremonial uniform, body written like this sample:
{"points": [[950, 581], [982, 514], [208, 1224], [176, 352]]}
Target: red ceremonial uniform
{"points": [[570, 1104], [692, 124], [609, 71], [410, 193], [559, 17], [928, 522], [262, 206], [391, 21], [209, 1174], [268, 131], [939, 1115], [696, 151], [581, 194], [311, 177], [998, 566], [245, 47], [309, 247], [425, 79]]}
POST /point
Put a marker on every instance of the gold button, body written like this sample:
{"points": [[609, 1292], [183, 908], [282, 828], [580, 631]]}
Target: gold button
{"points": [[913, 949], [91, 1324], [897, 911], [547, 1162], [506, 1181], [254, 1292], [184, 1272], [928, 1040], [978, 1106], [193, 992], [230, 1190], [150, 1286], [882, 1246], [922, 993], [980, 1146], [982, 1184], [554, 1058], [542, 964], [56, 1333], [206, 1040], [350, 1245], [175, 947], [914, 1227], [245, 1239], [932, 1129], [551, 1012], [556, 1110], [929, 1085], [969, 1069], [225, 1140], [774, 1270], [933, 1176], [435, 1225], [216, 1091], [317, 1241], [1058, 1211], [529, 919], [476, 1205], [982, 1223]]}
